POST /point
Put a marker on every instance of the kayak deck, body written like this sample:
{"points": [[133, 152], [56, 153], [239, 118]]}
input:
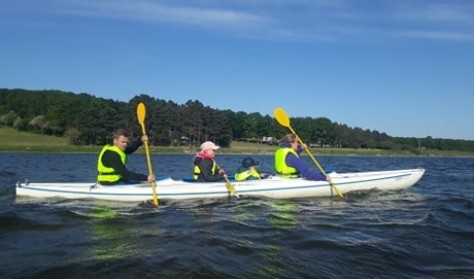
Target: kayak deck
{"points": [[274, 187]]}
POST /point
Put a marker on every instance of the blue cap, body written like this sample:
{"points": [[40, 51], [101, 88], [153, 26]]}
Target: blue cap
{"points": [[249, 162]]}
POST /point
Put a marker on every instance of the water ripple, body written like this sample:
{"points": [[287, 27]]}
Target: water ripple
{"points": [[423, 232]]}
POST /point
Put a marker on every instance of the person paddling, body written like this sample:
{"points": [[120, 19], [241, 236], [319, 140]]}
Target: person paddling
{"points": [[288, 162], [112, 161], [205, 167]]}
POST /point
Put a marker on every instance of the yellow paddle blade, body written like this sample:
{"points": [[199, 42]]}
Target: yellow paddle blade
{"points": [[154, 195], [282, 117], [231, 188], [141, 113]]}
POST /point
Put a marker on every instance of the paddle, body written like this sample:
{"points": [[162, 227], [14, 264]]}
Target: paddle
{"points": [[282, 118], [141, 113], [229, 186]]}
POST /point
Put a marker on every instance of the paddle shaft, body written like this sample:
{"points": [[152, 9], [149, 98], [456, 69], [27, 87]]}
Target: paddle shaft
{"points": [[150, 170], [141, 112]]}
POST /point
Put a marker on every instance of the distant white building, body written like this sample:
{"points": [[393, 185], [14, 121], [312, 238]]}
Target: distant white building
{"points": [[269, 140]]}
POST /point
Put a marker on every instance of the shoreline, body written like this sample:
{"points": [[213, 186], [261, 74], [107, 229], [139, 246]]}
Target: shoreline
{"points": [[15, 141], [256, 150]]}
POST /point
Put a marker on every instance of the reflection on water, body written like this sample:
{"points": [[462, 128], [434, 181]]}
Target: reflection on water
{"points": [[108, 235], [283, 214]]}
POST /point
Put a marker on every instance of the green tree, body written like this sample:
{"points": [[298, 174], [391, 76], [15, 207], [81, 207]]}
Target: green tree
{"points": [[73, 136]]}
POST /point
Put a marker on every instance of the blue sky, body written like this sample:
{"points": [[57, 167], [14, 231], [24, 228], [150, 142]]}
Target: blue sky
{"points": [[402, 67]]}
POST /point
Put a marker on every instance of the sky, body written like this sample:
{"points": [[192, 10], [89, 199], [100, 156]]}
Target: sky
{"points": [[404, 68]]}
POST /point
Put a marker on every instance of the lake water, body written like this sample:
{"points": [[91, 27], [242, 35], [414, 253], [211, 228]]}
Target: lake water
{"points": [[426, 231]]}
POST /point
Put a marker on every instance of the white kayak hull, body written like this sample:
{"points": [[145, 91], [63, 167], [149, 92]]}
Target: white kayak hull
{"points": [[274, 187]]}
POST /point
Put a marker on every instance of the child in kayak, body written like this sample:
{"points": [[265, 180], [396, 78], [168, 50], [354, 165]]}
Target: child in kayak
{"points": [[248, 170]]}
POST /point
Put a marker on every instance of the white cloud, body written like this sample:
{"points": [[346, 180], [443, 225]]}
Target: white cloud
{"points": [[437, 12], [143, 10], [293, 20], [437, 35]]}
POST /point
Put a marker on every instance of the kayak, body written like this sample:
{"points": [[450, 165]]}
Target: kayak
{"points": [[274, 187]]}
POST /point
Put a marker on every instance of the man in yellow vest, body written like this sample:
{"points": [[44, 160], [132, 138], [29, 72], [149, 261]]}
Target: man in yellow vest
{"points": [[288, 162], [112, 162]]}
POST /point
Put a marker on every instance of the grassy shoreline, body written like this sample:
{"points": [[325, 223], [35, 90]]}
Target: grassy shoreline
{"points": [[14, 141]]}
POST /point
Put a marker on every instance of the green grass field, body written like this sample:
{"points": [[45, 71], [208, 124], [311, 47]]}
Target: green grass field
{"points": [[12, 140], [10, 136]]}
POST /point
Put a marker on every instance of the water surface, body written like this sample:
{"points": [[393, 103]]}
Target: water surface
{"points": [[426, 231]]}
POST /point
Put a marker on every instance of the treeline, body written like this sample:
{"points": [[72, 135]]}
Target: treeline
{"points": [[87, 120]]}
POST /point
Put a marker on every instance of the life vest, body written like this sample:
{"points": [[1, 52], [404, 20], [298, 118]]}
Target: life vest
{"points": [[246, 174], [107, 174], [280, 165], [197, 169]]}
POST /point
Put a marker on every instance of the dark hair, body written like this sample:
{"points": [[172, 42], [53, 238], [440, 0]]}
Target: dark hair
{"points": [[121, 132]]}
